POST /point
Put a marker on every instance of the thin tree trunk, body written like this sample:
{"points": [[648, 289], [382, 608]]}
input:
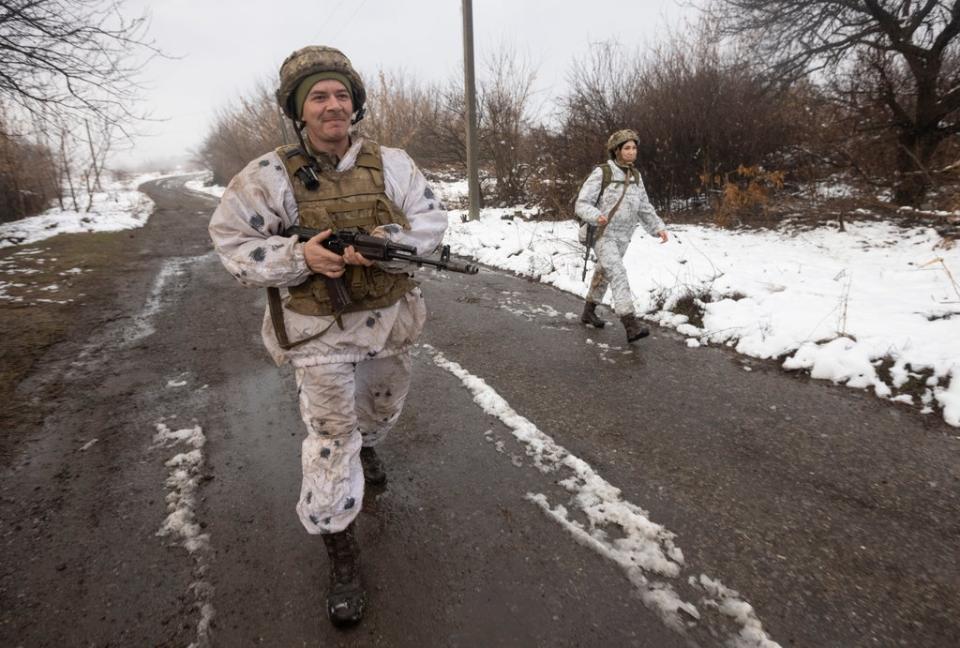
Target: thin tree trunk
{"points": [[93, 160], [914, 155], [66, 171]]}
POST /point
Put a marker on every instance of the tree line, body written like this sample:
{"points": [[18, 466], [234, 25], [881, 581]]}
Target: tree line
{"points": [[69, 93], [762, 91], [799, 88]]}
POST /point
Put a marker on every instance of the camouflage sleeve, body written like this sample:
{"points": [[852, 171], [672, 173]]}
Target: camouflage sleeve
{"points": [[651, 222], [585, 208], [408, 189], [257, 205]]}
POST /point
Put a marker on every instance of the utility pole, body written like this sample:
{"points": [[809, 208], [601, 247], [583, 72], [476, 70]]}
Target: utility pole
{"points": [[469, 88]]}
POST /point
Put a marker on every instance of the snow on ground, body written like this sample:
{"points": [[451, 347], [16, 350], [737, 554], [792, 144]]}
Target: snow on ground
{"points": [[646, 551], [876, 306], [186, 473], [118, 207], [201, 184]]}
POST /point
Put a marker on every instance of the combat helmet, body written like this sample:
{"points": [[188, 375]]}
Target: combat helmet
{"points": [[311, 60], [618, 139]]}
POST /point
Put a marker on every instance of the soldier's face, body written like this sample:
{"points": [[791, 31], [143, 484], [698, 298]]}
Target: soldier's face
{"points": [[628, 152], [327, 110]]}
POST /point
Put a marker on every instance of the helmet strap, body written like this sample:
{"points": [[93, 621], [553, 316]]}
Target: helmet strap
{"points": [[298, 127]]}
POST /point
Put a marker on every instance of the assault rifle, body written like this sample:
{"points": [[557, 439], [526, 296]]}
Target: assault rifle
{"points": [[591, 233], [374, 248]]}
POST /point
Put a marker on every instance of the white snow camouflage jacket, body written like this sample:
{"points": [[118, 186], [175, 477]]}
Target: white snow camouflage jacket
{"points": [[634, 210], [259, 203]]}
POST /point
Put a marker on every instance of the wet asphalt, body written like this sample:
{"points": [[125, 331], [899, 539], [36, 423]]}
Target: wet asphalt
{"points": [[834, 514]]}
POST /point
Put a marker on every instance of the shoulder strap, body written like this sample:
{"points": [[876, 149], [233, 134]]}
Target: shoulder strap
{"points": [[626, 183], [298, 165], [606, 177], [369, 156]]}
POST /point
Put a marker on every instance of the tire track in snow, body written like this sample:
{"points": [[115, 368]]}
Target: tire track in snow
{"points": [[644, 549]]}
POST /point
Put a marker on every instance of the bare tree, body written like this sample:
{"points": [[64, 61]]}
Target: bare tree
{"points": [[705, 111], [449, 135], [249, 128], [908, 46], [76, 57], [27, 174], [67, 153], [602, 96], [99, 140], [401, 112], [506, 116]]}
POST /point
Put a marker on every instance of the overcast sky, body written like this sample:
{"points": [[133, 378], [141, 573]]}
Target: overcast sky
{"points": [[224, 49]]}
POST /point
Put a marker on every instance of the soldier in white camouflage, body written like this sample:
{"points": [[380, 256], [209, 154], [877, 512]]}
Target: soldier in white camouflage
{"points": [[352, 364], [614, 200]]}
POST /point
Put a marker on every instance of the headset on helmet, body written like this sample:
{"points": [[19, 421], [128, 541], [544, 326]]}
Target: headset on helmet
{"points": [[311, 60]]}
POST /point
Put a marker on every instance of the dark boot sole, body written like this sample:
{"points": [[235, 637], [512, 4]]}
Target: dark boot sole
{"points": [[375, 481], [373, 477], [352, 617]]}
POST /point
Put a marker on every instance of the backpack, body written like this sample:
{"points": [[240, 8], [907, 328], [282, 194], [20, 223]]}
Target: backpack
{"points": [[607, 175]]}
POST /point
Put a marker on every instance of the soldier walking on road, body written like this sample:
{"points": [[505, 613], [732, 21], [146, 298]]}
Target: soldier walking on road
{"points": [[613, 199], [352, 364]]}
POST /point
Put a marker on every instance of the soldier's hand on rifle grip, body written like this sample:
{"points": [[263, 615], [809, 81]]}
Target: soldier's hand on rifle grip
{"points": [[321, 260], [352, 257], [601, 220]]}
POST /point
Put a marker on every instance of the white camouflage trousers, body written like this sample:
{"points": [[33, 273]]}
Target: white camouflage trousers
{"points": [[345, 406], [611, 272]]}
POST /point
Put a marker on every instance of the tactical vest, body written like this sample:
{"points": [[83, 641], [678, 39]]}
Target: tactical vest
{"points": [[351, 199]]}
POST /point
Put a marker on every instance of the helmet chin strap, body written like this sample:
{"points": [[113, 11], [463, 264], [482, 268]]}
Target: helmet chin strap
{"points": [[298, 127]]}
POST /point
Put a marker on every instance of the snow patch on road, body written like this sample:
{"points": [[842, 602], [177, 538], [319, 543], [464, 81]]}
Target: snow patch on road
{"points": [[181, 522], [142, 325], [638, 545]]}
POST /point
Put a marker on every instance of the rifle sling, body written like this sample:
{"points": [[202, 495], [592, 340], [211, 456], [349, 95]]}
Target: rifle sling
{"points": [[602, 228], [275, 305]]}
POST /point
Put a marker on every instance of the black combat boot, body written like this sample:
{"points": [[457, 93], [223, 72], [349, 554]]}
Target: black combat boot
{"points": [[590, 316], [373, 471], [346, 598], [635, 330]]}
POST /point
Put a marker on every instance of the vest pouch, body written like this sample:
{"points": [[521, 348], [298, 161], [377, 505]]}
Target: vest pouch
{"points": [[315, 215], [357, 282], [318, 290], [352, 215], [379, 282]]}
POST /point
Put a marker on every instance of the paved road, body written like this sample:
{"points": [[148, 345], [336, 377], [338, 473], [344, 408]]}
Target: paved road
{"points": [[548, 485]]}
